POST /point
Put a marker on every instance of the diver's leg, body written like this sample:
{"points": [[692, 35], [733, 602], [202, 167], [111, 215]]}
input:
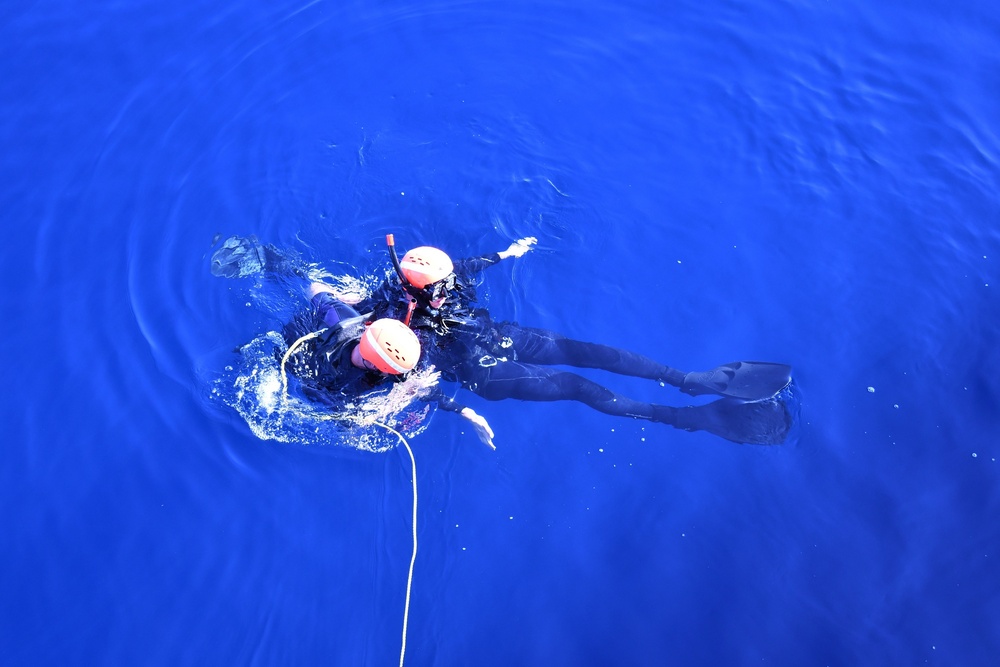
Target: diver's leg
{"points": [[765, 422], [527, 382], [539, 346], [284, 262], [330, 310], [746, 380]]}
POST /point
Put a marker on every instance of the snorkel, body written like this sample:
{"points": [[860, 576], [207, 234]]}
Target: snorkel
{"points": [[391, 242], [414, 292]]}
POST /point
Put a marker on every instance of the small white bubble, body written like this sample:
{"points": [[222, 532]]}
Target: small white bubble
{"points": [[871, 390], [678, 261], [642, 440], [974, 455], [896, 405], [402, 194], [601, 450], [511, 518]]}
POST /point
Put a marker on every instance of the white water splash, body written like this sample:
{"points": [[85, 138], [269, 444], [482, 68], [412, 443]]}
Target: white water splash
{"points": [[253, 387]]}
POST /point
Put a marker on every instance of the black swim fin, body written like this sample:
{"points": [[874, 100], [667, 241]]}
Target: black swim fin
{"points": [[246, 256], [765, 422], [747, 380], [238, 257]]}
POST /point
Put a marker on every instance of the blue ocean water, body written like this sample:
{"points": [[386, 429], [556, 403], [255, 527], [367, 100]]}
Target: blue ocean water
{"points": [[811, 183]]}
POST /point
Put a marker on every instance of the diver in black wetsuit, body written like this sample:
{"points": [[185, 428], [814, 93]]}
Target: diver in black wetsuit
{"points": [[499, 360], [338, 354]]}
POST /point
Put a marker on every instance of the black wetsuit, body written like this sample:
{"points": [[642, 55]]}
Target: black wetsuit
{"points": [[499, 360], [323, 364]]}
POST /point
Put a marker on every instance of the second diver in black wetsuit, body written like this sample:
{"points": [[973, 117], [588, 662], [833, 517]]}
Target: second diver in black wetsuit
{"points": [[338, 355], [500, 360]]}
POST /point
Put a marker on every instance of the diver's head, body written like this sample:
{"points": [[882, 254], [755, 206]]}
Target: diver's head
{"points": [[388, 346], [426, 265], [439, 291]]}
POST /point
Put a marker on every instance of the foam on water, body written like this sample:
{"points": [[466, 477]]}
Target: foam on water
{"points": [[255, 387]]}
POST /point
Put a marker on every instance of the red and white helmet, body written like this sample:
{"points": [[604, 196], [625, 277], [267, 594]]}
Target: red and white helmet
{"points": [[390, 346], [426, 265]]}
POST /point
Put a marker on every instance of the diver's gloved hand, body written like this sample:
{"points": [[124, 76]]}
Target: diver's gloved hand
{"points": [[480, 425], [519, 247]]}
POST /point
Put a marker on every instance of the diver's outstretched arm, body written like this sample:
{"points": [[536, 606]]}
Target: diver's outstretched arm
{"points": [[473, 265]]}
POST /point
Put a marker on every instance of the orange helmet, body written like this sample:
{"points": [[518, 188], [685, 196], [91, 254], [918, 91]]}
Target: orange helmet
{"points": [[390, 346], [425, 265]]}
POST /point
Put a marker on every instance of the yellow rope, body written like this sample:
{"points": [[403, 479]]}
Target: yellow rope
{"points": [[413, 557]]}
